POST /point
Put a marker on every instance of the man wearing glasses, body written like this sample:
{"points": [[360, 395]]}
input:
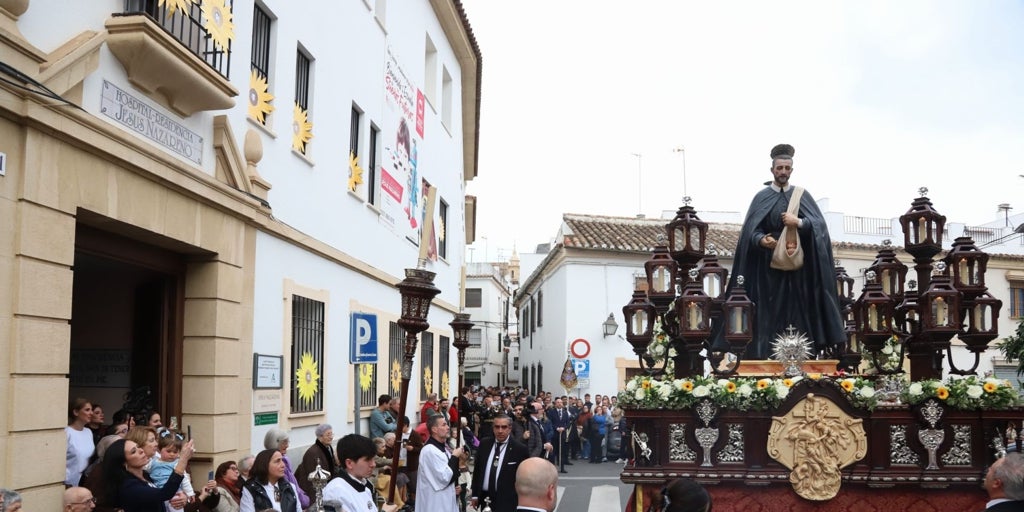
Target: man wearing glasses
{"points": [[78, 499], [494, 474]]}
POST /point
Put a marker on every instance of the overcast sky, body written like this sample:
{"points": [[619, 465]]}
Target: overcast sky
{"points": [[879, 98]]}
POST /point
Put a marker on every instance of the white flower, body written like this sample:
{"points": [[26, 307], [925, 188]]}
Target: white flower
{"points": [[867, 392], [745, 389], [993, 381], [781, 390], [631, 385], [974, 391], [672, 352], [796, 379], [915, 389], [639, 394], [723, 382], [657, 350], [887, 349], [701, 391], [665, 390]]}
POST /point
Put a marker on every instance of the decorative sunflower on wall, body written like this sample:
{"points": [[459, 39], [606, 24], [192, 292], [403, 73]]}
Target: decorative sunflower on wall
{"points": [[218, 22], [396, 375], [355, 173], [428, 381], [440, 230], [365, 376], [302, 129], [307, 378], [259, 98], [174, 5], [445, 384]]}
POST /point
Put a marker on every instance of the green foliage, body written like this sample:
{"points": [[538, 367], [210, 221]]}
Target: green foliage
{"points": [[1012, 347]]}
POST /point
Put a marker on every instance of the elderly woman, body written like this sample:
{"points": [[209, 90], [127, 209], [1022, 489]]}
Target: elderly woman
{"points": [[10, 501], [80, 445], [129, 487], [268, 488], [244, 466], [320, 453], [277, 439], [228, 487]]}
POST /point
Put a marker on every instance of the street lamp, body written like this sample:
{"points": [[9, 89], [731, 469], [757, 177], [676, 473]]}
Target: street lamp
{"points": [[460, 328], [609, 326], [417, 290]]}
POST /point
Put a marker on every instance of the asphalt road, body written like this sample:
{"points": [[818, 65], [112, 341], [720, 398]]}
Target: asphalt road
{"points": [[592, 487]]}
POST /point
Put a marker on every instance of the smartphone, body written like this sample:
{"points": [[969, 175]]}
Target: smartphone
{"points": [[189, 433], [209, 476]]}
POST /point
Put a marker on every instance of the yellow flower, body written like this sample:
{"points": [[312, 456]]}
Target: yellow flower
{"points": [[355, 172], [847, 384], [990, 387], [763, 384], [646, 384], [259, 98], [302, 129], [365, 376], [396, 374], [787, 382], [218, 22], [814, 376], [941, 392], [307, 378], [687, 386], [730, 386]]}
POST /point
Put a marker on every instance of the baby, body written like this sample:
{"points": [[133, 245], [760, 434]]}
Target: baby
{"points": [[165, 459]]}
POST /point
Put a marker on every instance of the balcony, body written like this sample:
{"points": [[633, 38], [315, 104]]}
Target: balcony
{"points": [[172, 57]]}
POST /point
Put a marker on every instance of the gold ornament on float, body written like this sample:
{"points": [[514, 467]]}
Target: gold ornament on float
{"points": [[259, 98], [218, 22], [302, 129]]}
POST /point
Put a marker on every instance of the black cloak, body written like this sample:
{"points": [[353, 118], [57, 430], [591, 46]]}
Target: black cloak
{"points": [[806, 298]]}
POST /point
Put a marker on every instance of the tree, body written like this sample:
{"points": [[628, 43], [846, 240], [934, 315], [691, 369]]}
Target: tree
{"points": [[1012, 347]]}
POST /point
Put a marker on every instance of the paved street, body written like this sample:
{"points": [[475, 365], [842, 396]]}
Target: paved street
{"points": [[592, 487]]}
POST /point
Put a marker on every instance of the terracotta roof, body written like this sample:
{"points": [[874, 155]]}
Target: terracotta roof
{"points": [[630, 234]]}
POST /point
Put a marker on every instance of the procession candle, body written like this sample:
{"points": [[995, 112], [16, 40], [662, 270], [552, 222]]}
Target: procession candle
{"points": [[964, 274], [692, 316], [737, 320], [940, 312], [922, 230], [886, 283], [873, 317]]}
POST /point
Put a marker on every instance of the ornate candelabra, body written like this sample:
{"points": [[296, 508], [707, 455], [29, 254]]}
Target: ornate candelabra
{"points": [[319, 478], [460, 327]]}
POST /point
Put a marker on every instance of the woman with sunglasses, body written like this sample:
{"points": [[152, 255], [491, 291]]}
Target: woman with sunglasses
{"points": [[228, 487], [267, 488], [129, 487]]}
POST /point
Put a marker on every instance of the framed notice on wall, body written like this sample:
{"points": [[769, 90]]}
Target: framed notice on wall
{"points": [[266, 371]]}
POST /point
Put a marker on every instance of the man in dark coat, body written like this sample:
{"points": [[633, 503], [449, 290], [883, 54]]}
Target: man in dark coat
{"points": [[805, 298], [497, 460]]}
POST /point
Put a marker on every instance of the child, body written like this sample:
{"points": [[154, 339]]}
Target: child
{"points": [[166, 457]]}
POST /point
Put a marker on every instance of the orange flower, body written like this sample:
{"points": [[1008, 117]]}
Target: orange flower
{"points": [[847, 384], [942, 392], [687, 386], [763, 384], [814, 376], [787, 382], [730, 386], [990, 387]]}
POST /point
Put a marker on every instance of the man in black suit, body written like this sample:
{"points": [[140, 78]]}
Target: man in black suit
{"points": [[494, 473], [1005, 484], [561, 420], [537, 486]]}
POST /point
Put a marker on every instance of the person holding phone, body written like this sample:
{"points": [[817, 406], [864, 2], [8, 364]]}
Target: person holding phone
{"points": [[128, 485]]}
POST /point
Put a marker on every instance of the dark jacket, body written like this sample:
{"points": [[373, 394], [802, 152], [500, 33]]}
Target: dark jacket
{"points": [[308, 465], [260, 500], [503, 499], [135, 495]]}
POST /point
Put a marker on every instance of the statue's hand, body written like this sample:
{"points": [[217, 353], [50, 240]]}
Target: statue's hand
{"points": [[790, 220], [768, 242]]}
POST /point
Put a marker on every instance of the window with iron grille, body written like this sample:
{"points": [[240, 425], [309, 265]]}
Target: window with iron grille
{"points": [[533, 379], [526, 376], [186, 26], [442, 243], [353, 134], [261, 24], [443, 355], [540, 308], [307, 355], [367, 384], [474, 297], [427, 365], [396, 338], [540, 376], [303, 63], [1016, 299], [371, 169], [533, 317]]}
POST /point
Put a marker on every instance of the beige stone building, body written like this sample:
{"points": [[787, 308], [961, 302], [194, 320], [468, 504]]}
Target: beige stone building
{"points": [[156, 249]]}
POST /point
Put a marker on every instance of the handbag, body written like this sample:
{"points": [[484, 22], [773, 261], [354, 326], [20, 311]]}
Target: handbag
{"points": [[788, 254]]}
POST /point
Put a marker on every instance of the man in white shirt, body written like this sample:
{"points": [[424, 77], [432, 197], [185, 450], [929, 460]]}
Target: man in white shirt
{"points": [[353, 491]]}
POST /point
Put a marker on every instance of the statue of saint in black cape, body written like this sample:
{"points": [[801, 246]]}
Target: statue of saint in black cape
{"points": [[806, 298]]}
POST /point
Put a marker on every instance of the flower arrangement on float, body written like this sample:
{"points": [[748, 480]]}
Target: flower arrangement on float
{"points": [[964, 393]]}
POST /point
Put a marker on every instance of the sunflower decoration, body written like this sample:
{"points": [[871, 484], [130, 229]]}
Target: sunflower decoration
{"points": [[218, 22], [428, 381], [365, 376], [302, 129], [396, 374], [307, 378], [174, 5], [259, 98], [355, 173], [445, 384], [440, 230]]}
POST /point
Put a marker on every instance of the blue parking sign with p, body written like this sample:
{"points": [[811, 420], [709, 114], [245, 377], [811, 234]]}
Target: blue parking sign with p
{"points": [[582, 368], [363, 339]]}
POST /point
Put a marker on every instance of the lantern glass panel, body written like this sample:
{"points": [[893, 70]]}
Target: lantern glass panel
{"points": [[712, 285], [873, 317], [982, 318], [694, 316], [940, 312], [738, 320], [661, 279], [887, 282], [922, 230], [639, 322], [694, 238], [679, 241], [963, 273]]}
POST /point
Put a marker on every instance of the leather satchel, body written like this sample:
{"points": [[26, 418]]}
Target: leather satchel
{"points": [[788, 253]]}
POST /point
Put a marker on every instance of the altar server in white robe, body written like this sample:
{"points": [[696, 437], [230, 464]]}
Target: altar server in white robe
{"points": [[438, 476]]}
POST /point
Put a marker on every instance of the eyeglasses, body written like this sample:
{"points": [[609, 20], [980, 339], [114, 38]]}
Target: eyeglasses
{"points": [[86, 502]]}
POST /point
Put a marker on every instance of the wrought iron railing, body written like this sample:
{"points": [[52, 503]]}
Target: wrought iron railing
{"points": [[186, 26], [979, 234], [867, 225]]}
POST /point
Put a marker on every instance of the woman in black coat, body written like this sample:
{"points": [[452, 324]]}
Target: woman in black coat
{"points": [[128, 485]]}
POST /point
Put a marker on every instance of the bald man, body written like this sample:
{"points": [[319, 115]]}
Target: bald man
{"points": [[78, 499], [537, 485]]}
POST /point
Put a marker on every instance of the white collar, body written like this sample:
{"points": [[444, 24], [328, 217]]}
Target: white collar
{"points": [[778, 189]]}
